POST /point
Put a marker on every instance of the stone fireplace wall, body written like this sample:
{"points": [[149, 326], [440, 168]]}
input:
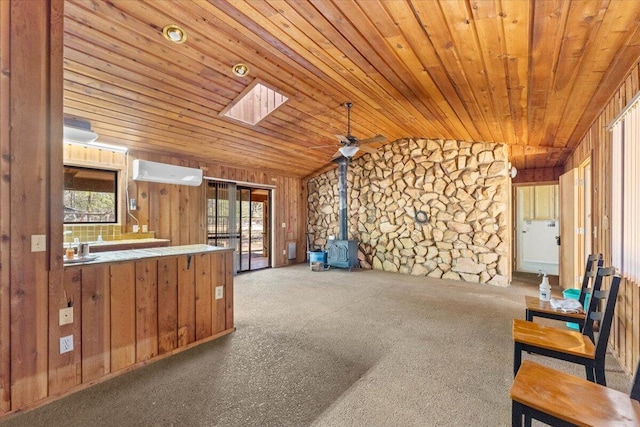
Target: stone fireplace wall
{"points": [[462, 187]]}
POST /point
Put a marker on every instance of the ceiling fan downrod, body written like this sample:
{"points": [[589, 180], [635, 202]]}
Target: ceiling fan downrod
{"points": [[348, 106]]}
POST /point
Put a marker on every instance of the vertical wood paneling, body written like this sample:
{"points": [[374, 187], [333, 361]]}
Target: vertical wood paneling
{"points": [[204, 295], [625, 336], [65, 369], [123, 316], [178, 213], [218, 278], [146, 310], [228, 288], [5, 211], [167, 304], [96, 322], [186, 301], [30, 52]]}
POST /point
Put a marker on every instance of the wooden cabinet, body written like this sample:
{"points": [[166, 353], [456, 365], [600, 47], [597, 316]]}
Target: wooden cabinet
{"points": [[129, 313]]}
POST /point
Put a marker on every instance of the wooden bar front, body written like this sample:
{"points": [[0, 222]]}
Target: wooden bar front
{"points": [[132, 312]]}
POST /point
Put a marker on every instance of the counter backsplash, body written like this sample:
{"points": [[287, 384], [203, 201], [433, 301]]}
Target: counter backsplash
{"points": [[90, 233]]}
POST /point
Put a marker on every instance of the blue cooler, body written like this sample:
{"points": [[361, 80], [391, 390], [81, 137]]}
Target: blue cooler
{"points": [[575, 294], [318, 256]]}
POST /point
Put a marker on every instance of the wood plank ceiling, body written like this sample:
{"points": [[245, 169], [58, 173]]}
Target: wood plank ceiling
{"points": [[533, 74]]}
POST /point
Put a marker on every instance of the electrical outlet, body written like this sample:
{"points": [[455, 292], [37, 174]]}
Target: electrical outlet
{"points": [[219, 292], [284, 225], [66, 316], [145, 228], [66, 344], [284, 252], [38, 243]]}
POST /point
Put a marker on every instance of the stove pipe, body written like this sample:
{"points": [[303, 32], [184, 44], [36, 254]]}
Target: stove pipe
{"points": [[343, 163]]}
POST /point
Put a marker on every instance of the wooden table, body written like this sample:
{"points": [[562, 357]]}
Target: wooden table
{"points": [[537, 307]]}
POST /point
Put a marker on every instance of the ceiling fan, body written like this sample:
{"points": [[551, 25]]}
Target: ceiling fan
{"points": [[348, 144]]}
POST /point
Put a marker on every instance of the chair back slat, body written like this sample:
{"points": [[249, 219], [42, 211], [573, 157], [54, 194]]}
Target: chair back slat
{"points": [[607, 318], [589, 273], [596, 316], [594, 303]]}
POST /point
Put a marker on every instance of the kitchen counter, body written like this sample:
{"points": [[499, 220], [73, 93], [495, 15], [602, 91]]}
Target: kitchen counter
{"points": [[124, 244], [139, 254]]}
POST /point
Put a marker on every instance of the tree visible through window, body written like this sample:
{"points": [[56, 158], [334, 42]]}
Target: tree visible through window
{"points": [[90, 195]]}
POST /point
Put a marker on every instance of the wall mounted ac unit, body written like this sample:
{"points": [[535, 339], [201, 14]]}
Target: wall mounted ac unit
{"points": [[144, 170]]}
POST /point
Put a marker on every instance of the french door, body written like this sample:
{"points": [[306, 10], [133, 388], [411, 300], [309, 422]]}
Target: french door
{"points": [[253, 227]]}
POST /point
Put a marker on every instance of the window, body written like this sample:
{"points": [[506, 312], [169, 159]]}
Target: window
{"points": [[90, 195], [625, 196]]}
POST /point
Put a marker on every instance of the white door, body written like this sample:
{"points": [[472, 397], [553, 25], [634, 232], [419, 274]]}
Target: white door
{"points": [[537, 226]]}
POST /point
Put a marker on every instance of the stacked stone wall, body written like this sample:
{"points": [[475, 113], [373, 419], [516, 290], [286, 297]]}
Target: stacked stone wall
{"points": [[462, 187]]}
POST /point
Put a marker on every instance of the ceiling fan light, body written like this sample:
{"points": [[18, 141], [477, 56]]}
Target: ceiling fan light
{"points": [[348, 150]]}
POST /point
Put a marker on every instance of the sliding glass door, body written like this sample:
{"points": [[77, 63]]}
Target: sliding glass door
{"points": [[253, 215], [238, 217]]}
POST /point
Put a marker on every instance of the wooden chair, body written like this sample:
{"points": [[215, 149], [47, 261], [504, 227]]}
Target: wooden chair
{"points": [[559, 399], [536, 307], [569, 345]]}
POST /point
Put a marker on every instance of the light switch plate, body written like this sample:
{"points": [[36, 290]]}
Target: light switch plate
{"points": [[219, 292], [66, 344], [66, 316], [38, 242]]}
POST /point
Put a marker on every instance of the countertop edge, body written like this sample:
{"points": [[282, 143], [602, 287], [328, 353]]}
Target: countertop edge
{"points": [[127, 255]]}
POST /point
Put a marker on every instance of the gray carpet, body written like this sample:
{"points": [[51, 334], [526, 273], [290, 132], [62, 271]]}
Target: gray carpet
{"points": [[332, 348]]}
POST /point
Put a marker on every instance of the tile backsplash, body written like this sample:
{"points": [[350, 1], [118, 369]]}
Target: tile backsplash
{"points": [[90, 233]]}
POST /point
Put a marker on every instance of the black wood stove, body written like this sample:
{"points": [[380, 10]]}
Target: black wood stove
{"points": [[342, 253]]}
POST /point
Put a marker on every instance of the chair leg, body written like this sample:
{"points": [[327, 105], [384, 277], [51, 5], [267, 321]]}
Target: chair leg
{"points": [[600, 375], [527, 420], [529, 315], [590, 375], [517, 357], [516, 414]]}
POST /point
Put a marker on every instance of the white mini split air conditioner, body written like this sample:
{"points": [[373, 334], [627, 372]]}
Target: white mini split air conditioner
{"points": [[144, 170]]}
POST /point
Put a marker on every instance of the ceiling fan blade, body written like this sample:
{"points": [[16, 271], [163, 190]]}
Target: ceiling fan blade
{"points": [[368, 149], [321, 146], [343, 139], [336, 155], [377, 138]]}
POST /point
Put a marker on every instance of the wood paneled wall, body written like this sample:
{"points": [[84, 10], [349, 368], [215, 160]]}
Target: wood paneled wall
{"points": [[31, 167], [31, 172], [178, 212], [126, 314], [625, 339]]}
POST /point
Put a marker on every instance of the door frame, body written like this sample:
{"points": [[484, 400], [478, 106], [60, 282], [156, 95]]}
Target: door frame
{"points": [[514, 219], [272, 213]]}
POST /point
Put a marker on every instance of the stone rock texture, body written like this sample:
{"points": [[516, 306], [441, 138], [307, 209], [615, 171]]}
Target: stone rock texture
{"points": [[461, 186]]}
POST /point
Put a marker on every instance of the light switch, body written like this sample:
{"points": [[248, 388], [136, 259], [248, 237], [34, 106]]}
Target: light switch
{"points": [[38, 242], [66, 316]]}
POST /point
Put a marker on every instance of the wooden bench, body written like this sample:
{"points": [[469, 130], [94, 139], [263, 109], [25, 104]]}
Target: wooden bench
{"points": [[559, 399]]}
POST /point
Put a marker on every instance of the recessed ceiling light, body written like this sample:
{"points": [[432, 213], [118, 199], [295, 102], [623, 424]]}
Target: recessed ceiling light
{"points": [[240, 70], [175, 34]]}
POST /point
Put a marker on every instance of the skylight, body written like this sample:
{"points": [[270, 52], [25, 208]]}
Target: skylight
{"points": [[255, 103]]}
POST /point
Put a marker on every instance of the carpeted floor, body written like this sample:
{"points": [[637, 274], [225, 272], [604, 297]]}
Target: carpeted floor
{"points": [[331, 348]]}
